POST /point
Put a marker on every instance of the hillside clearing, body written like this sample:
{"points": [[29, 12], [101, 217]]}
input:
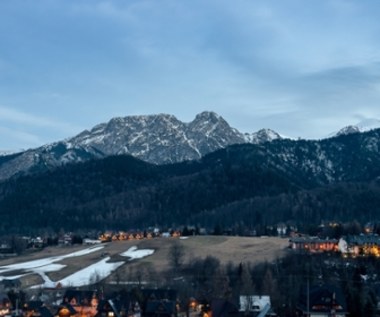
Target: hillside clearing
{"points": [[155, 257]]}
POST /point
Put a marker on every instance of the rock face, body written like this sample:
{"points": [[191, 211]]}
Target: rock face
{"points": [[158, 139]]}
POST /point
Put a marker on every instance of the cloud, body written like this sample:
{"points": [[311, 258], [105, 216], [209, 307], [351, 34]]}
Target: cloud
{"points": [[286, 65], [15, 140], [9, 115], [22, 130]]}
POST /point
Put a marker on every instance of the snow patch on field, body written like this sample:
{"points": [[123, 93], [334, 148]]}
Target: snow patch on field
{"points": [[91, 274], [43, 266], [86, 276], [133, 253]]}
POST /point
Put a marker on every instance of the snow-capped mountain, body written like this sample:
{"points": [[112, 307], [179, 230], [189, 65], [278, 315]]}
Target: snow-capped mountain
{"points": [[261, 136], [362, 126], [158, 139], [4, 153]]}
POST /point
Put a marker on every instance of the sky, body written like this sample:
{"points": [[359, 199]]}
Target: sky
{"points": [[301, 68]]}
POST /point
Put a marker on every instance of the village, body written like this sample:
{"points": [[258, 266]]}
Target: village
{"points": [[89, 298]]}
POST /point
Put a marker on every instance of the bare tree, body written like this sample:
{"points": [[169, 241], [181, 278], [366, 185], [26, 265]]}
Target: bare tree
{"points": [[176, 256]]}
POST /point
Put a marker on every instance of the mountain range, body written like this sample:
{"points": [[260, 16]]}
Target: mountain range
{"points": [[142, 171], [157, 139], [244, 186]]}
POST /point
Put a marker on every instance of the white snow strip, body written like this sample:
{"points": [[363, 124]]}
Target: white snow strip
{"points": [[49, 268], [86, 276], [27, 265], [47, 261], [91, 274], [83, 252], [14, 277], [133, 253], [43, 266]]}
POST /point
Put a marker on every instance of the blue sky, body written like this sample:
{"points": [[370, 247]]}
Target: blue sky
{"points": [[302, 68]]}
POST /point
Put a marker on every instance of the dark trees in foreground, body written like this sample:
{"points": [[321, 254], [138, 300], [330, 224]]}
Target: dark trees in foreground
{"points": [[284, 280]]}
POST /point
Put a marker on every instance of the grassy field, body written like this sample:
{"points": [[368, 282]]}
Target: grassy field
{"points": [[226, 249]]}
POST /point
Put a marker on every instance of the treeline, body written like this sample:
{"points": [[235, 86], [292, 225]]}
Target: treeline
{"points": [[286, 280]]}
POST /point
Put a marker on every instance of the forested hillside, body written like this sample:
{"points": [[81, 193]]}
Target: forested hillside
{"points": [[244, 187]]}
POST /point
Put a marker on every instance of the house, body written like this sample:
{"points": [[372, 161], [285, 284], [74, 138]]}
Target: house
{"points": [[88, 241], [5, 248], [159, 294], [364, 245], [160, 308], [253, 305], [65, 239], [5, 305], [159, 302], [36, 309], [323, 301], [223, 308], [123, 306], [66, 310], [85, 303], [281, 229], [313, 244]]}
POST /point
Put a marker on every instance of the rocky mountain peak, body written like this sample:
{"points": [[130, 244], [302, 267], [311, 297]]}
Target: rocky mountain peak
{"points": [[207, 116], [158, 139], [348, 130], [261, 136], [363, 126]]}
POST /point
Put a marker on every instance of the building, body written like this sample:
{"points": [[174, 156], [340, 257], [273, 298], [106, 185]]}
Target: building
{"points": [[322, 301], [313, 244], [360, 245]]}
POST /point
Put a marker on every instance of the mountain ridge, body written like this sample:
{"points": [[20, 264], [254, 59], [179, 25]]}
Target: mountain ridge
{"points": [[362, 126], [250, 185], [158, 139]]}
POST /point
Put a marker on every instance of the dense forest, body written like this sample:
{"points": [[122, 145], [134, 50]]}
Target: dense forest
{"points": [[243, 187]]}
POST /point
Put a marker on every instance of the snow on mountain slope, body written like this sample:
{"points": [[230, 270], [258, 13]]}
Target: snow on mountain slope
{"points": [[261, 136], [362, 126], [158, 139]]}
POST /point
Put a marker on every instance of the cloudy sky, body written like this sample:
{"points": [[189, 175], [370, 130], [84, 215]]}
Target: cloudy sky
{"points": [[302, 68]]}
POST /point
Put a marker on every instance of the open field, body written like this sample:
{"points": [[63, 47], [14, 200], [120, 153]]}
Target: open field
{"points": [[226, 249]]}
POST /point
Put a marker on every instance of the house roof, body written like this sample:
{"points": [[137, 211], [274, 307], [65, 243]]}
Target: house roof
{"points": [[223, 308], [371, 239], [80, 296], [3, 297], [34, 304], [253, 302], [67, 306], [312, 240], [158, 294], [160, 306], [323, 299], [118, 302], [45, 312]]}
